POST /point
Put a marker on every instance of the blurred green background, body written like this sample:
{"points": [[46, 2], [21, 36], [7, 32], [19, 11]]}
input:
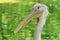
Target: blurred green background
{"points": [[12, 13]]}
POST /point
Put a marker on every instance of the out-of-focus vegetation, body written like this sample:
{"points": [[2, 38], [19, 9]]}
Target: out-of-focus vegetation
{"points": [[11, 14], [9, 1]]}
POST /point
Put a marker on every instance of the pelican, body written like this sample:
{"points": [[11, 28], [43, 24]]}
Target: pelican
{"points": [[39, 11]]}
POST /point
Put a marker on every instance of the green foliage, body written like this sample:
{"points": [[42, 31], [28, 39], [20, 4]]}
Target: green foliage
{"points": [[13, 14]]}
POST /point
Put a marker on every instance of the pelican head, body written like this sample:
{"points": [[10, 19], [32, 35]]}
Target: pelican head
{"points": [[39, 7], [38, 11]]}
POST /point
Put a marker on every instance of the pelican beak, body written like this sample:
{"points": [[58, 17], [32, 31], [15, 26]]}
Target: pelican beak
{"points": [[25, 21]]}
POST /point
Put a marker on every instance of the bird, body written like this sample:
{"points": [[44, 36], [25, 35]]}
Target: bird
{"points": [[39, 11]]}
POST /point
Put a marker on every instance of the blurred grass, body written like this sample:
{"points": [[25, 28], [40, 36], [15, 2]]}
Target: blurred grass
{"points": [[9, 1], [13, 14]]}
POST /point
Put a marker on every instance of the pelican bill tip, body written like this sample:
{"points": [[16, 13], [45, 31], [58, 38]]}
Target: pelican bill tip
{"points": [[14, 33]]}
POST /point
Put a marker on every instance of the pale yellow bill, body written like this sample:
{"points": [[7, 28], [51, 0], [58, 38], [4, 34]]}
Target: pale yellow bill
{"points": [[25, 21]]}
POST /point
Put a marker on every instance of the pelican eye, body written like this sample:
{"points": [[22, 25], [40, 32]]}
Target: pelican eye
{"points": [[38, 7]]}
